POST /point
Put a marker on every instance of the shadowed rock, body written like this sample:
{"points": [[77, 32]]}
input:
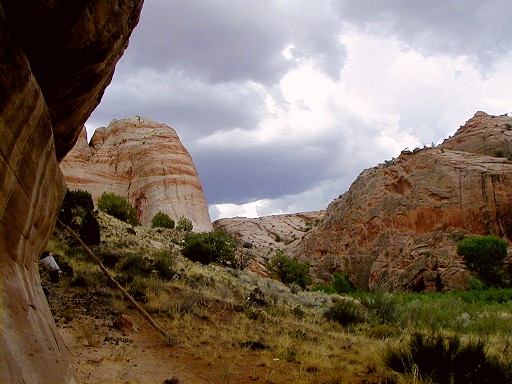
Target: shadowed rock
{"points": [[56, 58]]}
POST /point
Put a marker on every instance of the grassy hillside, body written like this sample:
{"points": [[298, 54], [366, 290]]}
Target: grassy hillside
{"points": [[234, 326]]}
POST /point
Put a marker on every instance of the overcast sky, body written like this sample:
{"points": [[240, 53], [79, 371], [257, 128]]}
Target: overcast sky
{"points": [[283, 103]]}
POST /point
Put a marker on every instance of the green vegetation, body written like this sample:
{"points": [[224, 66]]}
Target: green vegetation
{"points": [[184, 224], [290, 271], [77, 212], [340, 284], [118, 207], [209, 247], [162, 220], [347, 312], [484, 255], [283, 333]]}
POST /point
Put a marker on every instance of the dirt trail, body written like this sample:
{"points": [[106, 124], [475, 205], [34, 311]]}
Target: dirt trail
{"points": [[142, 357]]}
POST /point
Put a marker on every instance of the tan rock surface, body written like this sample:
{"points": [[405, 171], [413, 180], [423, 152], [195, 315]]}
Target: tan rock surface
{"points": [[263, 236], [396, 227], [52, 74], [143, 161]]}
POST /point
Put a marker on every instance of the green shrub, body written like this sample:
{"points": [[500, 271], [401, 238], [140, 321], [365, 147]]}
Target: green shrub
{"points": [[164, 263], [340, 283], [184, 224], [77, 212], [346, 312], [208, 247], [89, 231], [133, 266], [118, 207], [162, 220], [384, 306], [485, 255], [446, 360], [289, 270]]}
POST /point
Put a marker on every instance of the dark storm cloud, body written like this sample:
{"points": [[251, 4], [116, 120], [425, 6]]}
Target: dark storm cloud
{"points": [[264, 173], [226, 41], [193, 108], [478, 29]]}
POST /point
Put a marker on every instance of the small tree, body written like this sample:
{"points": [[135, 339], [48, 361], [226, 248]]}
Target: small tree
{"points": [[290, 270], [184, 224], [77, 212], [485, 255], [208, 247], [118, 207], [162, 220]]}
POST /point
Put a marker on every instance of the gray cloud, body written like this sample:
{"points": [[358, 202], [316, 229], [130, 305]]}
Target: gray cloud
{"points": [[479, 29], [192, 107], [210, 69], [225, 41]]}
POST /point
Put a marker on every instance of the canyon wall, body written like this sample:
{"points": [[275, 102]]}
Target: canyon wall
{"points": [[397, 227], [143, 161], [56, 58]]}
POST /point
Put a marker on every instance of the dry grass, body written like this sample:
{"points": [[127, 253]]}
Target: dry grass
{"points": [[239, 327]]}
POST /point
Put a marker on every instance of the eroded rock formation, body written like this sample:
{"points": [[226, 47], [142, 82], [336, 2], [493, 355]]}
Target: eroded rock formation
{"points": [[143, 161], [396, 228], [262, 237], [56, 58]]}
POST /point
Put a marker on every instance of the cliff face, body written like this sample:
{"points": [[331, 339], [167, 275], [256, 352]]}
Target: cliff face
{"points": [[396, 228], [143, 161], [56, 58]]}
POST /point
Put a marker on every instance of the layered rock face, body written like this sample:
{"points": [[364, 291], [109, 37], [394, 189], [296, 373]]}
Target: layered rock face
{"points": [[397, 226], [52, 75], [143, 161], [263, 236]]}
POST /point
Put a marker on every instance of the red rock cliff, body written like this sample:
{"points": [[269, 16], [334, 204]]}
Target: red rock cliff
{"points": [[143, 161], [396, 227], [56, 58]]}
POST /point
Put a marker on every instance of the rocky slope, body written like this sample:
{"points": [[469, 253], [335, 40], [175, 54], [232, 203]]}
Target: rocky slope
{"points": [[261, 237], [143, 161], [396, 228], [56, 58]]}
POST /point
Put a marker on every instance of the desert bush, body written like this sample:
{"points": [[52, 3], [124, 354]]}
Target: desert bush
{"points": [[77, 212], [289, 270], [383, 306], [118, 207], [346, 312], [184, 224], [133, 266], [340, 283], [241, 260], [208, 247], [446, 360], [484, 255], [164, 263], [90, 230], [87, 277], [162, 220]]}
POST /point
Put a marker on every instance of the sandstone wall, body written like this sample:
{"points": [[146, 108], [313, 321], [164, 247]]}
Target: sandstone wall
{"points": [[55, 60], [143, 161], [397, 226]]}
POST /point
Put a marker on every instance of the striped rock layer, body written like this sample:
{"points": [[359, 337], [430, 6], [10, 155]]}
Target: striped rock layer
{"points": [[143, 161]]}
